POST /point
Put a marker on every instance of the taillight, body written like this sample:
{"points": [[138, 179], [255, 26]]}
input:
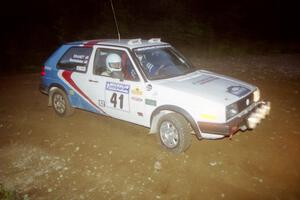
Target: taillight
{"points": [[43, 73]]}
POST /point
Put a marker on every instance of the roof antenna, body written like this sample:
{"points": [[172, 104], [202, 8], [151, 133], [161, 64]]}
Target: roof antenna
{"points": [[116, 22]]}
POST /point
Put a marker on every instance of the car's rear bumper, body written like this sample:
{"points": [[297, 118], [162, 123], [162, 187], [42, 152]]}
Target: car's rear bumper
{"points": [[248, 119]]}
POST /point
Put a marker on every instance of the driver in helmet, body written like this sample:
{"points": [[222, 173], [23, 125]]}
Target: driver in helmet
{"points": [[113, 66]]}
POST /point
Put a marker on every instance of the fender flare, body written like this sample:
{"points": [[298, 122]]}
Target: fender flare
{"points": [[158, 112]]}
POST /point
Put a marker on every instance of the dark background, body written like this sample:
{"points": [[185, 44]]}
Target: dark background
{"points": [[32, 30]]}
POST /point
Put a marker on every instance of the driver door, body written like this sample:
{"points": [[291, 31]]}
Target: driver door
{"points": [[121, 98]]}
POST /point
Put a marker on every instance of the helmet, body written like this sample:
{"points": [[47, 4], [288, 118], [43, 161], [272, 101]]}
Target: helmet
{"points": [[113, 62]]}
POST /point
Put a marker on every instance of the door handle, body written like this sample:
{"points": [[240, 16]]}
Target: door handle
{"points": [[93, 81]]}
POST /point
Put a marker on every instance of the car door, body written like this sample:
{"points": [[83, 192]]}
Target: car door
{"points": [[121, 98]]}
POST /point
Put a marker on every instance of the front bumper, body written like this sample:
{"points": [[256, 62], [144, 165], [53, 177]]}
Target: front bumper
{"points": [[247, 119]]}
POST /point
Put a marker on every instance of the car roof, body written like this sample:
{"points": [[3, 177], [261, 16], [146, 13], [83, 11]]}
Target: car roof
{"points": [[128, 43]]}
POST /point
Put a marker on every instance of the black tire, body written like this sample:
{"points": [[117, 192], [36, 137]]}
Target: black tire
{"points": [[61, 104], [179, 138]]}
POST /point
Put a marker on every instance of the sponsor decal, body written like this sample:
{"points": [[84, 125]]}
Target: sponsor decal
{"points": [[117, 87], [238, 90], [101, 103], [117, 96], [138, 99], [76, 61], [80, 59], [81, 68], [79, 56], [137, 91], [153, 47], [150, 102], [204, 79]]}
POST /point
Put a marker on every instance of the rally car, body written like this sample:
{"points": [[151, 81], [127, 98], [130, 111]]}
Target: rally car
{"points": [[148, 82]]}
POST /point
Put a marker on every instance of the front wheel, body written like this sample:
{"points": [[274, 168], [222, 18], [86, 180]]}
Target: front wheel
{"points": [[174, 132]]}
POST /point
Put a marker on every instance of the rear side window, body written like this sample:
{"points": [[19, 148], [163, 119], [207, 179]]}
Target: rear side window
{"points": [[75, 59]]}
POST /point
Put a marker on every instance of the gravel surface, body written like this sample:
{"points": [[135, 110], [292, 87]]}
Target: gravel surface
{"points": [[87, 156]]}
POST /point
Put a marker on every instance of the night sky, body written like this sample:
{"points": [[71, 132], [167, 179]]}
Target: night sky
{"points": [[31, 30]]}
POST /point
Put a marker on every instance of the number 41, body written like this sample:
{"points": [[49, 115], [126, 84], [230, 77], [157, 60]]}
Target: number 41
{"points": [[114, 99]]}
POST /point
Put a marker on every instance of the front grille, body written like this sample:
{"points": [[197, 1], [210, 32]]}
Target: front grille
{"points": [[242, 104], [239, 106]]}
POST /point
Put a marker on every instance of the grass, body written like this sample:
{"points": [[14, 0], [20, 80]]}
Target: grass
{"points": [[6, 194]]}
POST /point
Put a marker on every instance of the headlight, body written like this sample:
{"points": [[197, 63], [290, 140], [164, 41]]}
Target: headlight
{"points": [[256, 95], [231, 110]]}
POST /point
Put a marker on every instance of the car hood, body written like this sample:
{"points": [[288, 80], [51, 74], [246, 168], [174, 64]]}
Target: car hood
{"points": [[210, 86]]}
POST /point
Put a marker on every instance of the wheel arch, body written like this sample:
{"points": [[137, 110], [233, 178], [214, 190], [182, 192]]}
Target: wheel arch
{"points": [[51, 90], [162, 110]]}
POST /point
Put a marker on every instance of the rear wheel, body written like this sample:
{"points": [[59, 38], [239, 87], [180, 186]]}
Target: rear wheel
{"points": [[174, 132], [61, 104]]}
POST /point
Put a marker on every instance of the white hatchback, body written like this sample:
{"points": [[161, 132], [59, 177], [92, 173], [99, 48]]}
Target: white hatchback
{"points": [[148, 82]]}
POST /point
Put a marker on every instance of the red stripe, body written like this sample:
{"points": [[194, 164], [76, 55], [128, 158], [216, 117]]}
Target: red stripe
{"points": [[67, 77], [91, 43]]}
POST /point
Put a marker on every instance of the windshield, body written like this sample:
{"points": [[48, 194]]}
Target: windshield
{"points": [[162, 62]]}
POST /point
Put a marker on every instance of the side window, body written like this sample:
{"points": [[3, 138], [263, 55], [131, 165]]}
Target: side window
{"points": [[75, 59], [114, 63]]}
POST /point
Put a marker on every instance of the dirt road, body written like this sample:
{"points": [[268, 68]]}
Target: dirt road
{"points": [[87, 156]]}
